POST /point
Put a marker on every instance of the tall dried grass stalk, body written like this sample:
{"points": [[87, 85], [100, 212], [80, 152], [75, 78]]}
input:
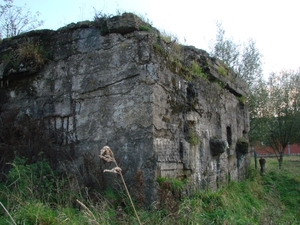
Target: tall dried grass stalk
{"points": [[89, 212], [8, 213], [107, 155]]}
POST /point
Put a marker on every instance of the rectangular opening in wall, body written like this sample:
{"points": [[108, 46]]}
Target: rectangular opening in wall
{"points": [[229, 135]]}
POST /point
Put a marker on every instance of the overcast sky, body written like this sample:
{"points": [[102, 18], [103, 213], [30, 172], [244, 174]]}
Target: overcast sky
{"points": [[273, 24]]}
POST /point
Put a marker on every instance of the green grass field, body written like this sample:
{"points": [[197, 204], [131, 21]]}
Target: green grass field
{"points": [[31, 198]]}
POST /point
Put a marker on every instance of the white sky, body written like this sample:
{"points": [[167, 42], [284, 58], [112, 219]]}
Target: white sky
{"points": [[273, 24]]}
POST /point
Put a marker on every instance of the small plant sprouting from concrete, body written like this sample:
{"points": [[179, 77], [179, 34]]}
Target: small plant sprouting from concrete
{"points": [[108, 156], [28, 56], [145, 28], [32, 51], [194, 138], [100, 22], [242, 99], [197, 71], [222, 71]]}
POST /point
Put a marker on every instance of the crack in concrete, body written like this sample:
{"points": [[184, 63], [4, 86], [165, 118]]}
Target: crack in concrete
{"points": [[111, 84]]}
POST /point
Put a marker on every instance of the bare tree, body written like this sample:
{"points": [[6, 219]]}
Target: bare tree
{"points": [[276, 118], [15, 20], [257, 102], [282, 112], [225, 48], [274, 105], [244, 59]]}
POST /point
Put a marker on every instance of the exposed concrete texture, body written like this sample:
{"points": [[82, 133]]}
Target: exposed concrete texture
{"points": [[159, 106]]}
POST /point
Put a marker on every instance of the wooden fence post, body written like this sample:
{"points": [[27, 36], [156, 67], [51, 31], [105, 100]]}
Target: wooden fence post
{"points": [[262, 163]]}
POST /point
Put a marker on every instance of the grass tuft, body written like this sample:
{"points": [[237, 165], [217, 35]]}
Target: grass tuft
{"points": [[27, 198]]}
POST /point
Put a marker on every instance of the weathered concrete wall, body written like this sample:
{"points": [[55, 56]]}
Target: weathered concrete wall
{"points": [[134, 91], [189, 116]]}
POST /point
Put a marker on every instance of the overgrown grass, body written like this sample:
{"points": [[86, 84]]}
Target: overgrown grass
{"points": [[34, 194]]}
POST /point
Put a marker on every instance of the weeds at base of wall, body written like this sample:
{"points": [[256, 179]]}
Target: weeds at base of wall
{"points": [[107, 155], [271, 199], [34, 193], [170, 194]]}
